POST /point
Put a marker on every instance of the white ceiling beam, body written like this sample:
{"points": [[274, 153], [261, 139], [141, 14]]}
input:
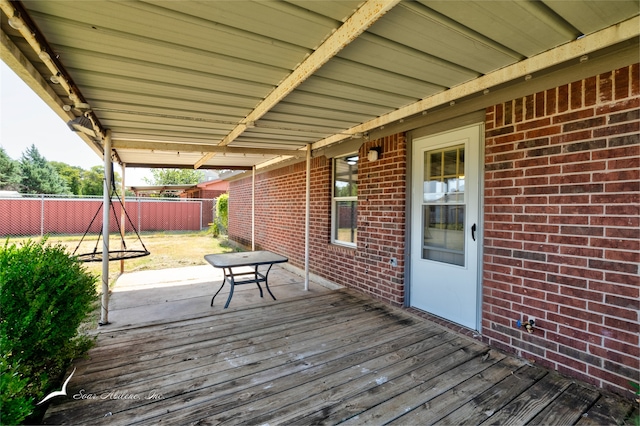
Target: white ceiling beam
{"points": [[576, 49], [191, 147], [30, 36], [355, 25], [11, 55], [15, 59]]}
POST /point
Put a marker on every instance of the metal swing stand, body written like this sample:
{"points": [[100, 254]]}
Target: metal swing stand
{"points": [[97, 256], [106, 255]]}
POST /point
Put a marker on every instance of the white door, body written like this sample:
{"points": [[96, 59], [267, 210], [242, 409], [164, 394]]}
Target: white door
{"points": [[445, 225]]}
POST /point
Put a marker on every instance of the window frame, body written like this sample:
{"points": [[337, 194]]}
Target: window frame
{"points": [[335, 199]]}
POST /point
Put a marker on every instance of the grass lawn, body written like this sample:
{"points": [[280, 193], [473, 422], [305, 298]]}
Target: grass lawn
{"points": [[168, 250]]}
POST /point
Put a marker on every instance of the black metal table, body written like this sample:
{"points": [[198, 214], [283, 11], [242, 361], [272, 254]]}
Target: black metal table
{"points": [[228, 261]]}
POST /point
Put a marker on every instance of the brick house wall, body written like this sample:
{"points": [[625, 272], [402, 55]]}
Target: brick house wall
{"points": [[202, 193], [239, 212], [280, 213], [562, 227]]}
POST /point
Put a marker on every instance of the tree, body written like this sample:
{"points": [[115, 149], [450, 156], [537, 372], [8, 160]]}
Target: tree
{"points": [[71, 175], [222, 210], [38, 176], [93, 181], [175, 177], [10, 175]]}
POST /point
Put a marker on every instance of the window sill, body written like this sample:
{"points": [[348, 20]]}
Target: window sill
{"points": [[344, 248]]}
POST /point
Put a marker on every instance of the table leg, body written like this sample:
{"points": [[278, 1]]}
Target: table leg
{"points": [[214, 296], [266, 282], [257, 279], [232, 284]]}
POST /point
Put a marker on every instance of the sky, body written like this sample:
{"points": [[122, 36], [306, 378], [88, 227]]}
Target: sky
{"points": [[25, 120]]}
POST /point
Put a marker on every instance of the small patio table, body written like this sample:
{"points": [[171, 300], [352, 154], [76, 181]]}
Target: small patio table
{"points": [[229, 261]]}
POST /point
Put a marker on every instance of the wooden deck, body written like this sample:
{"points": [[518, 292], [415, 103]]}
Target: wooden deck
{"points": [[334, 358]]}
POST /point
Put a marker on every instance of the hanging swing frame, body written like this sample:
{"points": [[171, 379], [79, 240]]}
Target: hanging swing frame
{"points": [[125, 254]]}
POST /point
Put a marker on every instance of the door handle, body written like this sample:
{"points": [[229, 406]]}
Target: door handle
{"points": [[473, 231]]}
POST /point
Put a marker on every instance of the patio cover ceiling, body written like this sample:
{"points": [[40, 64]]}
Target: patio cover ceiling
{"points": [[238, 84]]}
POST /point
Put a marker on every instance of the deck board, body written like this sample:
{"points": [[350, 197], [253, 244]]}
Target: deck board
{"points": [[530, 402], [485, 404], [337, 357], [608, 409], [568, 407], [433, 410], [426, 389], [201, 352], [347, 381]]}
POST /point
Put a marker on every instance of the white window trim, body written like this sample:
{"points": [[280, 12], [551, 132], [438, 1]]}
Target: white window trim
{"points": [[335, 200]]}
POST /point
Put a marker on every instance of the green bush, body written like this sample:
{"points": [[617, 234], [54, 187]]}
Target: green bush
{"points": [[14, 403], [45, 294], [214, 229], [635, 417], [222, 211]]}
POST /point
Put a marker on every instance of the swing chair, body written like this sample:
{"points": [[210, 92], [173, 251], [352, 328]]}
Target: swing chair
{"points": [[125, 253]]}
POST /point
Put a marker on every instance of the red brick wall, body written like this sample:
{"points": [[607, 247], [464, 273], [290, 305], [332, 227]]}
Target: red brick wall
{"points": [[381, 220], [239, 211], [213, 193], [562, 239], [200, 193], [280, 214], [280, 210], [562, 220]]}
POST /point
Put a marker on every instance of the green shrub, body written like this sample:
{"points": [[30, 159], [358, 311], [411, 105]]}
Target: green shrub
{"points": [[14, 403], [635, 416], [214, 229], [222, 211], [45, 294]]}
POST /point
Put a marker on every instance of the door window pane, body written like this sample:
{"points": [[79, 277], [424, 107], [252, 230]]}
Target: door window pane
{"points": [[444, 233], [444, 176], [443, 211]]}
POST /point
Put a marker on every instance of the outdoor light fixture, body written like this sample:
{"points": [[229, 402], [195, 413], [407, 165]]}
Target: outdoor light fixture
{"points": [[82, 124], [44, 56], [16, 22], [374, 153]]}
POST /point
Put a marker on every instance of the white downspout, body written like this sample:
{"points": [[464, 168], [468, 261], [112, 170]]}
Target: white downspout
{"points": [[307, 219], [106, 200], [123, 229]]}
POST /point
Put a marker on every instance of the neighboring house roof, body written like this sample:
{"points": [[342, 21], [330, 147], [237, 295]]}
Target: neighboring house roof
{"points": [[282, 76], [213, 185], [218, 184], [159, 189]]}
